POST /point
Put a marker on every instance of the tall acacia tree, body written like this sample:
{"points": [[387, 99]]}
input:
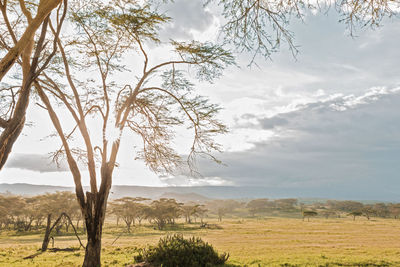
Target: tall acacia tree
{"points": [[149, 105], [14, 96]]}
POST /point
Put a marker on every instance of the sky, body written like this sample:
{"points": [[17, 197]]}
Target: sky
{"points": [[325, 122]]}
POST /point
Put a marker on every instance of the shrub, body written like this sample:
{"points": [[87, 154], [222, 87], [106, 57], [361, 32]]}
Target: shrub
{"points": [[176, 251]]}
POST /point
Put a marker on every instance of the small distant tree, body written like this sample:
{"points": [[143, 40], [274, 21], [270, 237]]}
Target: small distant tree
{"points": [[346, 205], [3, 214], [309, 213], [163, 211], [128, 209], [200, 212], [58, 206], [381, 210], [368, 211], [257, 206], [222, 207], [355, 214], [188, 211], [221, 211], [286, 204], [394, 209], [10, 207], [328, 213]]}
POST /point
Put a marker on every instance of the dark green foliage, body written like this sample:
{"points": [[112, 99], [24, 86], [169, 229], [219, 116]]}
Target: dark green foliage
{"points": [[176, 251]]}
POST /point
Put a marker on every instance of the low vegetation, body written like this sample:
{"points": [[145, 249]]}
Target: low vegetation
{"points": [[175, 250]]}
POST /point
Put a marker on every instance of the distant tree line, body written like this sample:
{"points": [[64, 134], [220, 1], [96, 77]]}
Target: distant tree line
{"points": [[32, 213], [336, 208], [262, 205], [60, 210], [158, 212]]}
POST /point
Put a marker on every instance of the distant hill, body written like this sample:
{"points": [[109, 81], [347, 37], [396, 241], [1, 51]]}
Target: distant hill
{"points": [[204, 193], [31, 189], [211, 192], [187, 197], [184, 194]]}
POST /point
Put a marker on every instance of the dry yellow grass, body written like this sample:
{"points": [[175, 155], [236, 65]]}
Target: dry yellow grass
{"points": [[251, 242]]}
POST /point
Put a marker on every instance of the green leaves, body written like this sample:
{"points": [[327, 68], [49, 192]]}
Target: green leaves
{"points": [[175, 250], [175, 81], [208, 59], [137, 21]]}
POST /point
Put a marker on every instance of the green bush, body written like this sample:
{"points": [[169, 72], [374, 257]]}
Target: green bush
{"points": [[176, 251]]}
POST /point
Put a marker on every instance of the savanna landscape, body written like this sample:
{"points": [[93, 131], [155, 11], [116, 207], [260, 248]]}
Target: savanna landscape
{"points": [[250, 242], [260, 232], [199, 133]]}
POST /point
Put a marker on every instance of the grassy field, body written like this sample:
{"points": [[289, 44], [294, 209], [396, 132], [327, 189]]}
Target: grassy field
{"points": [[250, 242]]}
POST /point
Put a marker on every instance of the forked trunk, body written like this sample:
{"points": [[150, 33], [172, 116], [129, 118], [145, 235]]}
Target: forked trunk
{"points": [[95, 210], [94, 227]]}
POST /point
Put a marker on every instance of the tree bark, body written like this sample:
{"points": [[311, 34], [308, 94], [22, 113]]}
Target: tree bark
{"points": [[96, 204], [45, 7], [14, 126], [93, 249], [46, 238]]}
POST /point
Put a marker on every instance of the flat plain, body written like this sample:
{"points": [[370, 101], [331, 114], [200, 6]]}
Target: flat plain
{"points": [[249, 242]]}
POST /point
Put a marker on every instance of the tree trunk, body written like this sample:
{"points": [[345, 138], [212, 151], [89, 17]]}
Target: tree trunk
{"points": [[93, 250], [46, 238], [49, 228], [94, 226], [95, 211]]}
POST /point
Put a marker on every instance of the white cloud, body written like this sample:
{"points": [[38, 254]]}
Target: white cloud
{"points": [[181, 180]]}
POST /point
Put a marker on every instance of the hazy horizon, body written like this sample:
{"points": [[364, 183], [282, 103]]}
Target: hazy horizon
{"points": [[211, 191]]}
